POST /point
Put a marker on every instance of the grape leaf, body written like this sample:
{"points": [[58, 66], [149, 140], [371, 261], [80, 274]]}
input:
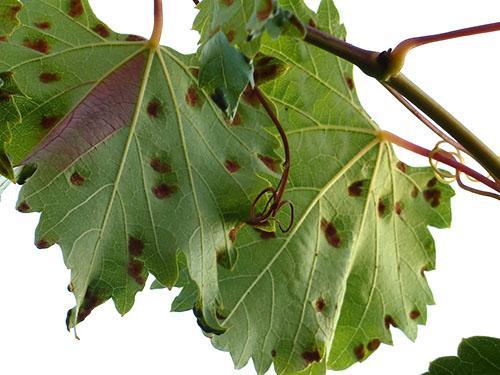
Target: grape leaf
{"points": [[326, 294], [243, 22], [224, 72], [8, 110], [476, 356], [134, 162]]}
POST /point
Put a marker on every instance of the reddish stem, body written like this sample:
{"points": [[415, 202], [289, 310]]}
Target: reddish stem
{"points": [[154, 41], [411, 43], [441, 157]]}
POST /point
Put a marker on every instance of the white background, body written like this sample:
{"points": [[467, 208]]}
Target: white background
{"points": [[462, 74]]}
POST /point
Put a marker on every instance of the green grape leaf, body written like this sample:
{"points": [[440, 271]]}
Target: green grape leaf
{"points": [[476, 356], [134, 162], [326, 294], [8, 111], [224, 72], [243, 22]]}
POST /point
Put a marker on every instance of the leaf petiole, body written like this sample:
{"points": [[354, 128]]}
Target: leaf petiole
{"points": [[154, 41], [439, 156]]}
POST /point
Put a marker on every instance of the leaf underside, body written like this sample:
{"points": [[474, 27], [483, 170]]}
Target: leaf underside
{"points": [[145, 162], [138, 171], [326, 294]]}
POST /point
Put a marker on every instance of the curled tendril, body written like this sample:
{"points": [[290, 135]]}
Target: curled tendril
{"points": [[444, 176], [448, 177], [275, 201]]}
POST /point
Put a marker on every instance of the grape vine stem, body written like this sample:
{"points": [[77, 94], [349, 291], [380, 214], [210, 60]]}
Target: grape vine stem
{"points": [[381, 67]]}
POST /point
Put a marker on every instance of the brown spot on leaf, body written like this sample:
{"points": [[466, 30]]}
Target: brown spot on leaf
{"points": [[192, 96], [350, 82], [90, 302], [356, 189], [274, 353], [330, 233], [433, 196], [154, 108], [389, 321], [228, 2], [40, 45], [135, 246], [135, 38], [402, 166], [48, 122], [15, 9], [432, 182], [75, 8], [398, 208], [374, 345], [43, 244], [266, 235], [43, 25], [270, 163], [381, 208], [230, 35], [415, 314], [77, 179], [102, 30], [135, 269], [312, 23], [232, 166], [320, 305], [24, 207], [311, 356], [3, 38], [359, 352], [160, 167], [265, 10], [49, 77], [164, 191], [233, 235]]}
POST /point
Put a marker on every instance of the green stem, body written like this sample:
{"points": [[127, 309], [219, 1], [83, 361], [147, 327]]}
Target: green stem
{"points": [[377, 66], [474, 146]]}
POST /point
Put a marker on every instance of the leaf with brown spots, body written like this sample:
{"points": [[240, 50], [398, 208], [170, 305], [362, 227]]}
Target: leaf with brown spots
{"points": [[349, 261], [128, 172]]}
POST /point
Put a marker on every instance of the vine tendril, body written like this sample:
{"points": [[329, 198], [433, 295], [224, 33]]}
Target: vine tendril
{"points": [[275, 202]]}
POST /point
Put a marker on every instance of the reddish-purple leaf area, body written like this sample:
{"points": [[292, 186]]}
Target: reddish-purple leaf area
{"points": [[109, 107]]}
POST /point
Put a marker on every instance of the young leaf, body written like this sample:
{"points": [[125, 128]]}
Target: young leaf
{"points": [[224, 72], [134, 161], [476, 356], [243, 22], [325, 295]]}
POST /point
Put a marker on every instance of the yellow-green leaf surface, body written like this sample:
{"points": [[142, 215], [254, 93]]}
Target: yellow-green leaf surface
{"points": [[325, 295], [134, 161]]}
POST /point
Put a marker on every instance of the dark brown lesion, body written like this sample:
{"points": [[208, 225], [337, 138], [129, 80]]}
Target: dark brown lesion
{"points": [[359, 352], [331, 233], [75, 8], [311, 356]]}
